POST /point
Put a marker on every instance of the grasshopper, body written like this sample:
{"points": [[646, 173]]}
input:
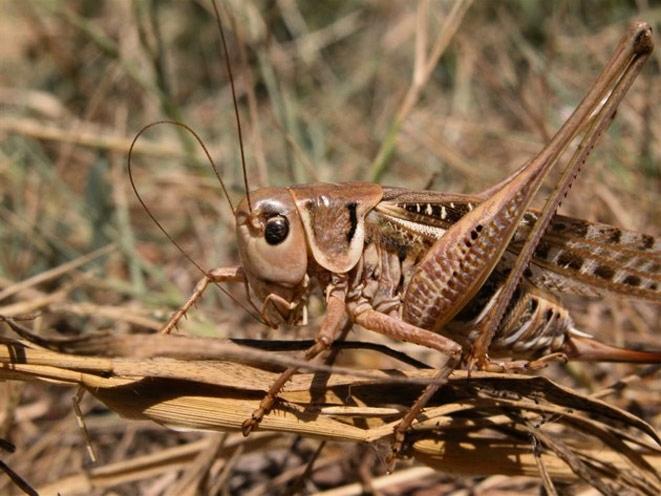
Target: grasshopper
{"points": [[471, 277]]}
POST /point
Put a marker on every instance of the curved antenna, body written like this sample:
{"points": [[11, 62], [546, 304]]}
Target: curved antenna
{"points": [[200, 142], [225, 55], [156, 221]]}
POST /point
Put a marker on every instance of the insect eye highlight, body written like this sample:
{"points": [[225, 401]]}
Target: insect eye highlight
{"points": [[276, 230]]}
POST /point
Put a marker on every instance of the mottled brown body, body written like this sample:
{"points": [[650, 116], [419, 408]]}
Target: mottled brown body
{"points": [[469, 276], [384, 244]]}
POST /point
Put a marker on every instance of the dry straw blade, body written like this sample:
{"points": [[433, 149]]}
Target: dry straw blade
{"points": [[201, 384]]}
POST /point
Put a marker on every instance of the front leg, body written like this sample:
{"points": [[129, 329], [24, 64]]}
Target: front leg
{"points": [[217, 275], [334, 322]]}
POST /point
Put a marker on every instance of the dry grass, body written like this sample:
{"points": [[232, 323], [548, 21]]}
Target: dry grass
{"points": [[319, 89]]}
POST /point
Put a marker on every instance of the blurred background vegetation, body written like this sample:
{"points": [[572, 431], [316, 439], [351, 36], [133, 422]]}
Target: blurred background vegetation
{"points": [[320, 87]]}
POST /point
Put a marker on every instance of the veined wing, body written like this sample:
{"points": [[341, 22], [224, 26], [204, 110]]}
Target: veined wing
{"points": [[574, 256]]}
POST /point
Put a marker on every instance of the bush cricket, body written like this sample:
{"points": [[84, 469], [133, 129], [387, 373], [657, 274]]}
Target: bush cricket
{"points": [[469, 276]]}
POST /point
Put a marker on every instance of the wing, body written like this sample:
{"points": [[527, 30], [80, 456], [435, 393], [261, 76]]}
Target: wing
{"points": [[574, 256], [581, 257]]}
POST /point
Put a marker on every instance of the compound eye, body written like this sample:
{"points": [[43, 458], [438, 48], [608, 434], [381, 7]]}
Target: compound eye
{"points": [[276, 230]]}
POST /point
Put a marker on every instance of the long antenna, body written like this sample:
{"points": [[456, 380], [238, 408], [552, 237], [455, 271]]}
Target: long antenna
{"points": [[225, 55], [157, 222]]}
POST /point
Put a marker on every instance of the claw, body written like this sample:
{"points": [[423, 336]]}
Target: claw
{"points": [[250, 425]]}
